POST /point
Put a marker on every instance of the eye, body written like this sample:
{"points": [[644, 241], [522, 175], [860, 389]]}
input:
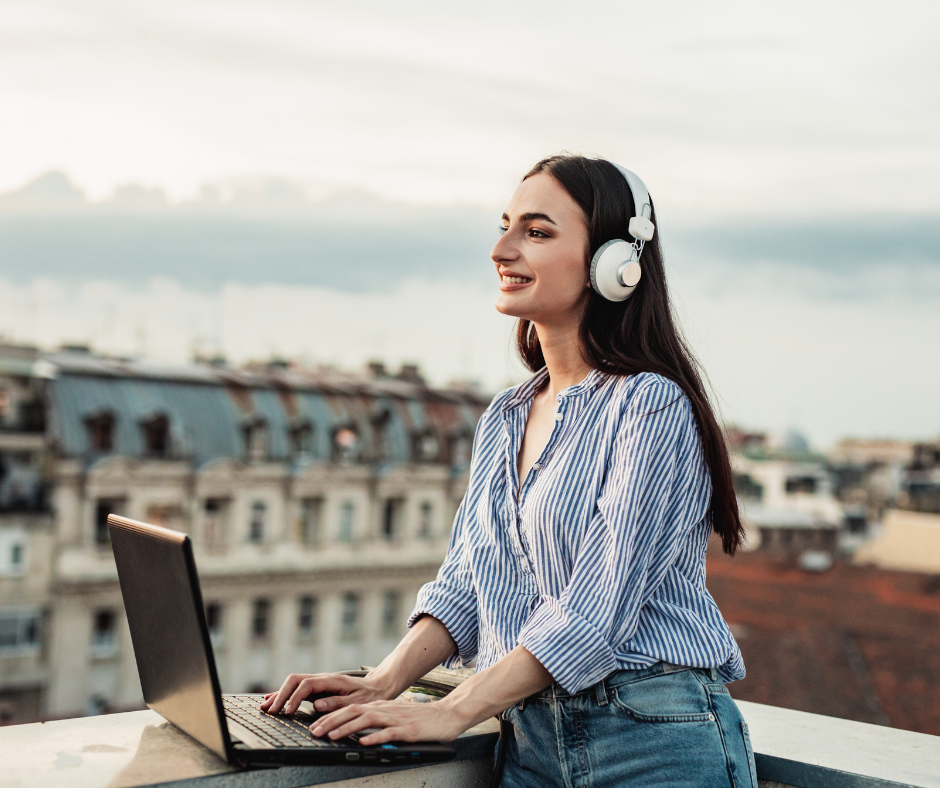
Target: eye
{"points": [[500, 229], [537, 233]]}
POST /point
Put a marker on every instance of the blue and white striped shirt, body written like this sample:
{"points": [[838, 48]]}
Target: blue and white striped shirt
{"points": [[601, 565]]}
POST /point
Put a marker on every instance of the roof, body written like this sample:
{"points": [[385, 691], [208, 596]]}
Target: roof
{"points": [[208, 407]]}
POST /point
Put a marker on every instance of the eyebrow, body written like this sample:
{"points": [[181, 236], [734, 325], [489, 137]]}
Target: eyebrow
{"points": [[533, 217]]}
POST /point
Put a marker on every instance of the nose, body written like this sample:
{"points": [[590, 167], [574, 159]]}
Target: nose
{"points": [[504, 250]]}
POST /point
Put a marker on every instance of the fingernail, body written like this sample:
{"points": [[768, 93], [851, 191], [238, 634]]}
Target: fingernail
{"points": [[319, 705], [318, 731]]}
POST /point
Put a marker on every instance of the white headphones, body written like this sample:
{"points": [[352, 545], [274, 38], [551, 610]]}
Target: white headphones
{"points": [[615, 267]]}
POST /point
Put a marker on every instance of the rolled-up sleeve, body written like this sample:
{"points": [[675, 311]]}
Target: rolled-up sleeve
{"points": [[451, 597], [647, 504]]}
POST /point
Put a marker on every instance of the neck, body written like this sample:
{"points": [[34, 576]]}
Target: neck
{"points": [[561, 347]]}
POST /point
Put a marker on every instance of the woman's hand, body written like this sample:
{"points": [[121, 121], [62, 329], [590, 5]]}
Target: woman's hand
{"points": [[427, 644], [398, 720], [341, 690]]}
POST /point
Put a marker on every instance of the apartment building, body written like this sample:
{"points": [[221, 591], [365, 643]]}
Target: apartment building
{"points": [[786, 500], [318, 503]]}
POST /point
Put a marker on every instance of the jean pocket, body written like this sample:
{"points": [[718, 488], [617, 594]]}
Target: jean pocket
{"points": [[672, 697], [752, 769]]}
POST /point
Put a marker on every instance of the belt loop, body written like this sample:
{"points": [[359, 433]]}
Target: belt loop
{"points": [[600, 693], [714, 672]]}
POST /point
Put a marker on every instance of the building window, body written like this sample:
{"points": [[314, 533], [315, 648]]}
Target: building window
{"points": [[214, 624], [100, 429], [311, 516], [156, 434], [391, 614], [257, 521], [460, 448], [380, 438], [345, 445], [19, 631], [104, 634], [426, 447], [103, 508], [349, 618], [255, 436], [426, 520], [301, 442], [801, 484], [12, 552], [347, 521], [214, 529], [391, 518], [747, 488], [307, 615], [261, 619]]}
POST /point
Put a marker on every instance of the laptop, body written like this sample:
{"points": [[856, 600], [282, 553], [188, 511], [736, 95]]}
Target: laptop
{"points": [[164, 608]]}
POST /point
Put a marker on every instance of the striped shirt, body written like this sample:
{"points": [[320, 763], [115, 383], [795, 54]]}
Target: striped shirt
{"points": [[600, 565]]}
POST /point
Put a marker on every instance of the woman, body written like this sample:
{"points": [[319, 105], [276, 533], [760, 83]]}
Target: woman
{"points": [[576, 567]]}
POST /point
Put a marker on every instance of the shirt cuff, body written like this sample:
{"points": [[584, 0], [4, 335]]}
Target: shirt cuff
{"points": [[456, 610], [567, 645]]}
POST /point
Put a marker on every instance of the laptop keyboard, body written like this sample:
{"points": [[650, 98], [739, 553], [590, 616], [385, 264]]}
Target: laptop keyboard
{"points": [[278, 730]]}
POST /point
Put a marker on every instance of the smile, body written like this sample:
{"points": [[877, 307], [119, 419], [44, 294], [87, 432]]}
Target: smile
{"points": [[515, 280]]}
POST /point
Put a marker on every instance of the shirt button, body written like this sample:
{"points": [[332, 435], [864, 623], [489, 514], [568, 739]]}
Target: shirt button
{"points": [[558, 417], [536, 465]]}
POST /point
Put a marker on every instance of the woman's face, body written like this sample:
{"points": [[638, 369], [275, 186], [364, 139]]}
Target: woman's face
{"points": [[541, 256]]}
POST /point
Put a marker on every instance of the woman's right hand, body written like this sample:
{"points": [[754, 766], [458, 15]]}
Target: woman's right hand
{"points": [[341, 690]]}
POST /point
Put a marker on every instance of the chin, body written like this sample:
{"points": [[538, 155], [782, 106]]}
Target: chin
{"points": [[503, 306]]}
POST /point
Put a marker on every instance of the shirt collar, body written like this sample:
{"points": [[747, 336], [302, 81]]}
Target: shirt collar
{"points": [[526, 391]]}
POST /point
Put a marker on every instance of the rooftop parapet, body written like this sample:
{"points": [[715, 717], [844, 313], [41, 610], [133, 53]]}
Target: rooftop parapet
{"points": [[791, 748]]}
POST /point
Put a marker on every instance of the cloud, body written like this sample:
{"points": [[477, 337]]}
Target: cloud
{"points": [[270, 231]]}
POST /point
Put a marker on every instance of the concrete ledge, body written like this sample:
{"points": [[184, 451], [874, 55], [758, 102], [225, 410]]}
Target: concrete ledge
{"points": [[813, 751], [792, 750]]}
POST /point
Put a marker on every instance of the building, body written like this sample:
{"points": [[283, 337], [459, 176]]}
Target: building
{"points": [[786, 500], [921, 485], [318, 503]]}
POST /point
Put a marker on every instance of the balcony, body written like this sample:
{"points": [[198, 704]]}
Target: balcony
{"points": [[792, 749]]}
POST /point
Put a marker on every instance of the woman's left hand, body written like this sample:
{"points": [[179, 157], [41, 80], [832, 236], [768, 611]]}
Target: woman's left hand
{"points": [[398, 720]]}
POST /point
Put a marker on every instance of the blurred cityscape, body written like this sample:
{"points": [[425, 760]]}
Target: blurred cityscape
{"points": [[319, 501]]}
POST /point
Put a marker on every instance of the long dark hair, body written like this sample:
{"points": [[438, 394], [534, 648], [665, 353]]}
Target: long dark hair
{"points": [[639, 334]]}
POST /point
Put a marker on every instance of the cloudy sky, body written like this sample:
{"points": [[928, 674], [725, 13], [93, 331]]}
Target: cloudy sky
{"points": [[323, 180]]}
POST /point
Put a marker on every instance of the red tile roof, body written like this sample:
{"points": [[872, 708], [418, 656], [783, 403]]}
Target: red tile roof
{"points": [[855, 642]]}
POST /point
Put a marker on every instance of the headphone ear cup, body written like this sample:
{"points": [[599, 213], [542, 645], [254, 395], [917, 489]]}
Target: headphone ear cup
{"points": [[605, 270]]}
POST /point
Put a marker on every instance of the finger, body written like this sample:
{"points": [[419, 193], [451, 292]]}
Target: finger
{"points": [[335, 702], [369, 719], [317, 685], [382, 736], [309, 686], [330, 721], [273, 705]]}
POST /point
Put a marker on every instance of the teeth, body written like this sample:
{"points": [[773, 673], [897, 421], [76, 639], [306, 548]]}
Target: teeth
{"points": [[516, 280]]}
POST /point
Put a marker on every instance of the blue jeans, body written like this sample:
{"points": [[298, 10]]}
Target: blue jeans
{"points": [[664, 726]]}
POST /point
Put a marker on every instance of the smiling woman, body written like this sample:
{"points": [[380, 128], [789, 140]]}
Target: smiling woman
{"points": [[575, 574]]}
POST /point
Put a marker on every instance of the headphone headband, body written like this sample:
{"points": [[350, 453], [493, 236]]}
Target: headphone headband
{"points": [[615, 267], [641, 197]]}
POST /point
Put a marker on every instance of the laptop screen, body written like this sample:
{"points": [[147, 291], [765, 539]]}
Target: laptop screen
{"points": [[161, 594]]}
